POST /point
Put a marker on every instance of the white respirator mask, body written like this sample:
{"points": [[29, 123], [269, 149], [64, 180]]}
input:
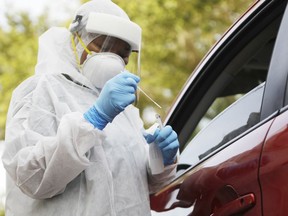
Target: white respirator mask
{"points": [[98, 68]]}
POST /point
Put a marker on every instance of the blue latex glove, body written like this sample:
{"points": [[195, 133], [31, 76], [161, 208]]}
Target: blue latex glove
{"points": [[167, 140], [116, 95]]}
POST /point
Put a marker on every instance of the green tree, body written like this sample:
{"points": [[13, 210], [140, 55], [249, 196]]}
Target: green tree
{"points": [[19, 45], [176, 35]]}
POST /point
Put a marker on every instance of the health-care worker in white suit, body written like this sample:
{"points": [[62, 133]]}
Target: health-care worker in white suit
{"points": [[74, 143]]}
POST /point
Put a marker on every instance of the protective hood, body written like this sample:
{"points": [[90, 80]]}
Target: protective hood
{"points": [[55, 55]]}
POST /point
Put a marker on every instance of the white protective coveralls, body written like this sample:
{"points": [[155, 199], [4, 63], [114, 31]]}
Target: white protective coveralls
{"points": [[57, 162]]}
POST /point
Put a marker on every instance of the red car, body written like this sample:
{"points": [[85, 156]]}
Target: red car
{"points": [[232, 121]]}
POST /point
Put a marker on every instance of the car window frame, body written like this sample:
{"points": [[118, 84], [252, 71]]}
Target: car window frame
{"points": [[191, 94], [275, 93], [215, 148]]}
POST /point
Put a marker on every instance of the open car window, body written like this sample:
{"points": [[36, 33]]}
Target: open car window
{"points": [[241, 115]]}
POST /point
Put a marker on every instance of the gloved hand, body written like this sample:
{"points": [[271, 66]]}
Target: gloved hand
{"points": [[116, 95], [167, 140]]}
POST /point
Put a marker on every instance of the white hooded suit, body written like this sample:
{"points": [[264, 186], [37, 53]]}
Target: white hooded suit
{"points": [[57, 163]]}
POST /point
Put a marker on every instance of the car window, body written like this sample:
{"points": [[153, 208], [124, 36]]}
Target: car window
{"points": [[230, 97], [228, 124]]}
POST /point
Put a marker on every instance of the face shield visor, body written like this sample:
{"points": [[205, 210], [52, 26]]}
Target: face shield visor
{"points": [[118, 36]]}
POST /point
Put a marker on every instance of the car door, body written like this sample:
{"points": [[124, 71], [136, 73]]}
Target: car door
{"points": [[223, 116]]}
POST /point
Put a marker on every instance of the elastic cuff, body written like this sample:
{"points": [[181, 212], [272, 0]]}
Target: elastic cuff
{"points": [[92, 116]]}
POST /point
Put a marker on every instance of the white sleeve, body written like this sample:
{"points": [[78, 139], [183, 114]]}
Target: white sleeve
{"points": [[42, 166], [156, 182]]}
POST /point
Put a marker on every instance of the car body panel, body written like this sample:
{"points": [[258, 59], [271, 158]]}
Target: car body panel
{"points": [[227, 175], [274, 168], [273, 173]]}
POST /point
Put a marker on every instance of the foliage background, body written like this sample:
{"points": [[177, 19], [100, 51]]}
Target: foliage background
{"points": [[176, 35]]}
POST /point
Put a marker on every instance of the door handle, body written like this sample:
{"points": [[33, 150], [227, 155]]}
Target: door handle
{"points": [[238, 205]]}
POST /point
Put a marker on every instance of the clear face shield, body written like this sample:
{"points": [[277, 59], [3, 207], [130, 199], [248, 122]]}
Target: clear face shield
{"points": [[105, 57], [108, 44]]}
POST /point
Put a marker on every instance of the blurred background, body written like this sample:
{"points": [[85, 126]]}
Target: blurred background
{"points": [[176, 36]]}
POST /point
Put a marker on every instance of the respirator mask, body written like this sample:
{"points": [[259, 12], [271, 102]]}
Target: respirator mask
{"points": [[101, 67]]}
